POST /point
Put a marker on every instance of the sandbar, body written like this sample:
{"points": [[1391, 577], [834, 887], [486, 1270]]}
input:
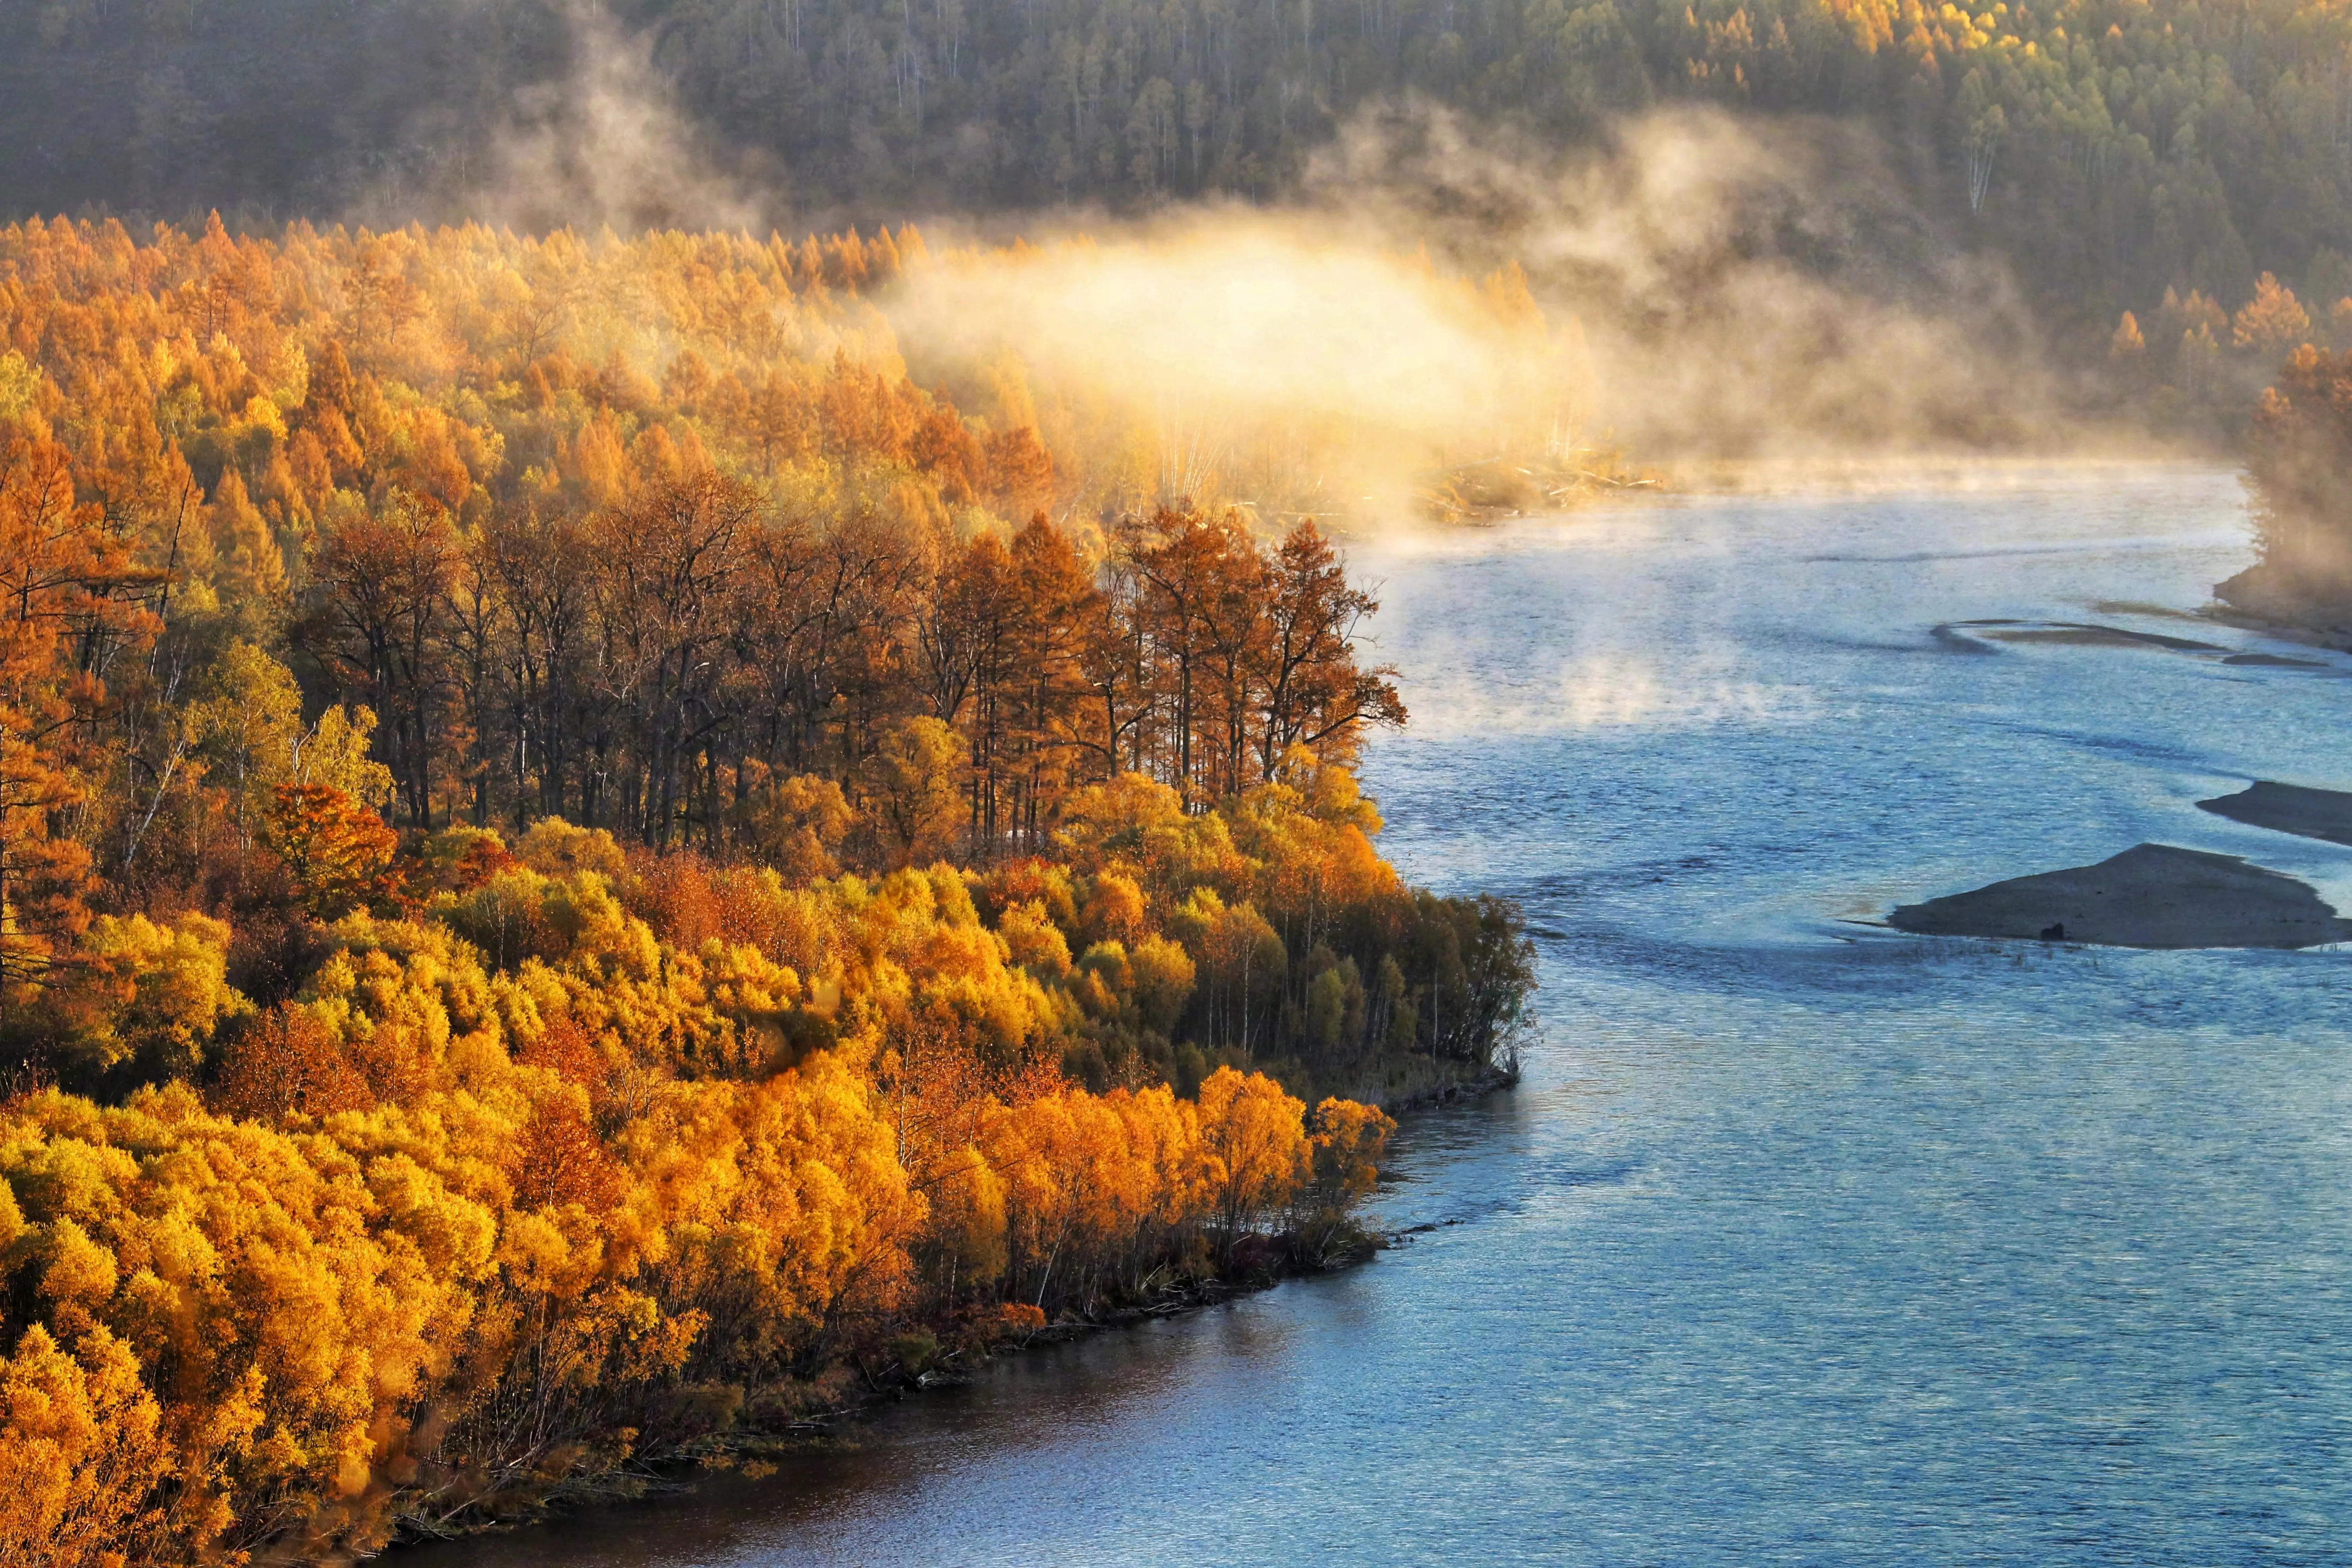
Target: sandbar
{"points": [[2151, 895], [2288, 808], [2081, 635], [2279, 661]]}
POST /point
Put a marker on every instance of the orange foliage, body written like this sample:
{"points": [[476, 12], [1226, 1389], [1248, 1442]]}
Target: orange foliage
{"points": [[289, 1062], [339, 852], [434, 1218], [66, 587], [394, 1174]]}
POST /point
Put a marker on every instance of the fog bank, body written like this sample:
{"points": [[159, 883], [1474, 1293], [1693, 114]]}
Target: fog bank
{"points": [[1697, 285]]}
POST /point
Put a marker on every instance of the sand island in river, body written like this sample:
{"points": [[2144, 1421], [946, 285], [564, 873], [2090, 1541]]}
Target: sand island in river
{"points": [[2288, 808], [2151, 895]]}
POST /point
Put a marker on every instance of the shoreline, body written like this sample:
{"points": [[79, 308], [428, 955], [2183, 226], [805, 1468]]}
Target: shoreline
{"points": [[2252, 600], [1277, 1259], [2329, 638]]}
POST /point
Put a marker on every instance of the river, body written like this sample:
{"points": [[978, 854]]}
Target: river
{"points": [[1804, 1241]]}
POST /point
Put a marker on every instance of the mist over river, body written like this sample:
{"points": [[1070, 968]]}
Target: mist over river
{"points": [[1804, 1241]]}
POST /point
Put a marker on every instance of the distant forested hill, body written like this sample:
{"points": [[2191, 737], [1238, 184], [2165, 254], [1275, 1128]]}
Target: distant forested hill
{"points": [[2113, 148]]}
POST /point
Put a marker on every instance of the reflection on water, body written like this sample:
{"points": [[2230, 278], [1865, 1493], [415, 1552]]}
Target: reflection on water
{"points": [[1805, 1242]]}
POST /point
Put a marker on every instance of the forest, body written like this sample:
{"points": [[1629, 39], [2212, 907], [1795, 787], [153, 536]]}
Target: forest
{"points": [[2109, 150], [2299, 474], [587, 870]]}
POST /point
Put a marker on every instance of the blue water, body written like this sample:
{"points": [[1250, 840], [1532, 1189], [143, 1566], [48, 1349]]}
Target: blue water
{"points": [[1804, 1242]]}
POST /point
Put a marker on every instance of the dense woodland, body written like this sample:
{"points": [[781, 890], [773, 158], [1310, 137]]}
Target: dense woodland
{"points": [[2299, 466], [2112, 149], [586, 868]]}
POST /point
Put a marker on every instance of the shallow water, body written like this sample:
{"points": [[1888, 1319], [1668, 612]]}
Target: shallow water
{"points": [[1804, 1242]]}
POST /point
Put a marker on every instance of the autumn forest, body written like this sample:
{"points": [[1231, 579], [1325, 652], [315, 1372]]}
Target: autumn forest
{"points": [[2108, 150], [620, 839], [567, 905]]}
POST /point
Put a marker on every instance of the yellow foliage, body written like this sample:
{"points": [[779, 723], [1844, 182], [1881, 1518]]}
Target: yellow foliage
{"points": [[516, 1185], [1137, 827], [1253, 1143], [1033, 939], [797, 825], [553, 847], [334, 752], [912, 802], [2274, 320], [151, 991], [1347, 1144], [81, 1463]]}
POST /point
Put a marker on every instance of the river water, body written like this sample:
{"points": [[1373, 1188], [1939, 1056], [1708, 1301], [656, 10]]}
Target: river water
{"points": [[1804, 1241]]}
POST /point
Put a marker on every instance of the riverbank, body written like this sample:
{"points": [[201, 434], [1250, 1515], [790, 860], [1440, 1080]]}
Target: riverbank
{"points": [[801, 1418], [2265, 599], [1495, 1076], [820, 1415]]}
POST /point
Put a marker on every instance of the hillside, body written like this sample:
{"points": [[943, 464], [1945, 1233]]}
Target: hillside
{"points": [[2110, 150]]}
